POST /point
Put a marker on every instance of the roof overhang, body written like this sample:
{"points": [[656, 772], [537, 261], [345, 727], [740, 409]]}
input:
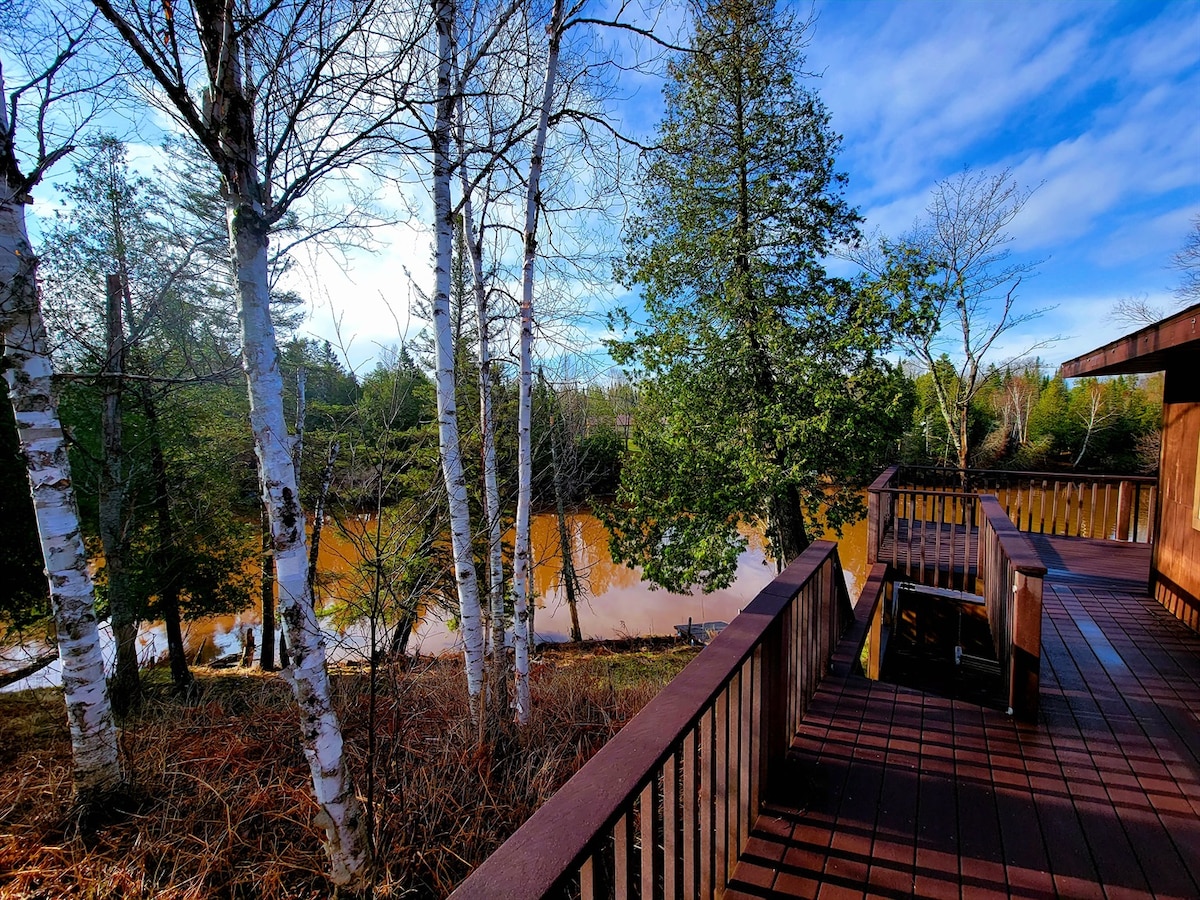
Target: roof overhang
{"points": [[1151, 349]]}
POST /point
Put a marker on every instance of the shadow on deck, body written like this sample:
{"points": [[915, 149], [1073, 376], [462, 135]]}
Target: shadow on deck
{"points": [[896, 793]]}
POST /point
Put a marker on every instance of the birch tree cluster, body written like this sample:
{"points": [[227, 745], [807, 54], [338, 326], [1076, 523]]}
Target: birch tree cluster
{"points": [[497, 108]]}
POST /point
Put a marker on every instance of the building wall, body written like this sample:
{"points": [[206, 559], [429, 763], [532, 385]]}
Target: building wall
{"points": [[1175, 570]]}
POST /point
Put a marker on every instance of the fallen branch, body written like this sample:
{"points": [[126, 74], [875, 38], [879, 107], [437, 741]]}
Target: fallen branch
{"points": [[37, 664]]}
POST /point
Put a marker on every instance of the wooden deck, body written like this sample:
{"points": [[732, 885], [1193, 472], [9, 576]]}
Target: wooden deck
{"points": [[893, 793], [922, 546], [925, 545]]}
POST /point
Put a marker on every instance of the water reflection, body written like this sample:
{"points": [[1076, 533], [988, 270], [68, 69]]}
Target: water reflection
{"points": [[615, 602]]}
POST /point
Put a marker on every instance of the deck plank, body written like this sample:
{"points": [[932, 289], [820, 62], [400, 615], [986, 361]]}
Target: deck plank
{"points": [[907, 794]]}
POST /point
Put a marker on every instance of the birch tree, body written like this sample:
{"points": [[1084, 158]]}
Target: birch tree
{"points": [[513, 100], [450, 448], [281, 106], [492, 512], [45, 80], [522, 560]]}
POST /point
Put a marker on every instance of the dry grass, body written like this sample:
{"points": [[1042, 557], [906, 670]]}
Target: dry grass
{"points": [[219, 804]]}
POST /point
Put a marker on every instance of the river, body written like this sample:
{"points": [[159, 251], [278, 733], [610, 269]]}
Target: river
{"points": [[616, 601]]}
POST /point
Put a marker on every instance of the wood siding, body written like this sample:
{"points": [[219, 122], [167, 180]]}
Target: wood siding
{"points": [[1175, 570]]}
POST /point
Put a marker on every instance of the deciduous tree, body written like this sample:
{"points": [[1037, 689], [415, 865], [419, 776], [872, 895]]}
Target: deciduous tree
{"points": [[276, 95], [29, 120], [972, 283]]}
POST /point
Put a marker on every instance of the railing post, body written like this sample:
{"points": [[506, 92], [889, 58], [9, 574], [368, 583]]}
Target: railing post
{"points": [[1025, 661], [1125, 495], [874, 528], [881, 509]]}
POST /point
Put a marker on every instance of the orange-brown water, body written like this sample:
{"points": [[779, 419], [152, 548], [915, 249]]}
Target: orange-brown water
{"points": [[615, 600]]}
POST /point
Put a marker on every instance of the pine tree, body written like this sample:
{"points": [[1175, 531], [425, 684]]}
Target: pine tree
{"points": [[763, 372]]}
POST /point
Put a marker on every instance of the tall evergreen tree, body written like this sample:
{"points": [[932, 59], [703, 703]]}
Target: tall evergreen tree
{"points": [[764, 382]]}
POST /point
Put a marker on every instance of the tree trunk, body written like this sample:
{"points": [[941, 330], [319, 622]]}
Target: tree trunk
{"points": [[521, 553], [266, 593], [168, 584], [491, 481], [314, 552], [27, 369], [126, 687], [569, 579], [447, 407], [321, 737], [787, 523]]}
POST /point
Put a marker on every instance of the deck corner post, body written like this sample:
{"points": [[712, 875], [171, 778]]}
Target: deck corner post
{"points": [[1025, 659]]}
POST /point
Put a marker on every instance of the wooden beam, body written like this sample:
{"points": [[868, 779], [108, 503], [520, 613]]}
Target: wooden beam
{"points": [[1147, 350]]}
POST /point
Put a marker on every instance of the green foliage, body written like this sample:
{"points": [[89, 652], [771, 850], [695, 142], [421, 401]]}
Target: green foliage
{"points": [[1020, 419], [24, 594], [765, 390], [184, 414], [600, 453]]}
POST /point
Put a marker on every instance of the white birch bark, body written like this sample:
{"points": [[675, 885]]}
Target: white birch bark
{"points": [[340, 813], [321, 736], [28, 370], [521, 551], [491, 480], [470, 618]]}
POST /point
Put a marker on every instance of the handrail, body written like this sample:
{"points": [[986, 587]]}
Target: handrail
{"points": [[926, 492], [665, 808], [1108, 507], [885, 479], [1022, 473], [1013, 575], [872, 599]]}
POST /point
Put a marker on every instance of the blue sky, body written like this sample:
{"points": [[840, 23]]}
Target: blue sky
{"points": [[1096, 105]]}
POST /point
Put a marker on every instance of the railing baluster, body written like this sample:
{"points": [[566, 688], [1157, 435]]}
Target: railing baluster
{"points": [[910, 502], [1092, 523], [940, 507], [623, 858], [758, 728], [747, 807], [671, 821], [733, 774], [705, 805], [587, 879], [720, 787], [690, 803], [649, 830]]}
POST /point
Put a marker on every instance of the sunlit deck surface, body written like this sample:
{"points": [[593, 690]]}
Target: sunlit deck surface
{"points": [[895, 793]]}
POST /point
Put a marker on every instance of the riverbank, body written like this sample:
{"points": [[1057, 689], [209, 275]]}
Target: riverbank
{"points": [[219, 803]]}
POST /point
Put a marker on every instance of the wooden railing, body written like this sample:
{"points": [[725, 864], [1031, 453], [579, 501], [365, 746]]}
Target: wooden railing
{"points": [[926, 535], [873, 599], [1109, 507], [937, 536], [1011, 575], [665, 808]]}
